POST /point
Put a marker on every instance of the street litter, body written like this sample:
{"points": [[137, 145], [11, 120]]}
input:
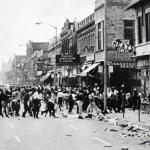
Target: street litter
{"points": [[145, 142], [68, 134], [113, 130]]}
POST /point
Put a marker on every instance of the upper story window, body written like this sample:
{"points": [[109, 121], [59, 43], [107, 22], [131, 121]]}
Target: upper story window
{"points": [[147, 23], [140, 33], [100, 35], [129, 33]]}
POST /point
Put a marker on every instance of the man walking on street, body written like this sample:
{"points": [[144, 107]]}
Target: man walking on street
{"points": [[60, 97], [71, 101], [25, 103], [80, 102], [113, 99]]}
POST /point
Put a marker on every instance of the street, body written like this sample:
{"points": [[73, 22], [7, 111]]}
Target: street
{"points": [[75, 75], [68, 133]]}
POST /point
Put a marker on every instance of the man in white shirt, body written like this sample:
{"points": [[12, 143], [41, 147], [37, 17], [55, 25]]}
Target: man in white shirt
{"points": [[60, 97]]}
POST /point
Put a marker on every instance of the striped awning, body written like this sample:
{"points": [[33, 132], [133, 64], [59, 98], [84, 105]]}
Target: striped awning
{"points": [[90, 68], [46, 76]]}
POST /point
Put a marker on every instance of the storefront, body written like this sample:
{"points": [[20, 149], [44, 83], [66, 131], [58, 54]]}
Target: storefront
{"points": [[70, 68], [121, 69], [124, 72], [143, 64]]}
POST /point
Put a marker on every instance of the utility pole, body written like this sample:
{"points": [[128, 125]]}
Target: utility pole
{"points": [[105, 56]]}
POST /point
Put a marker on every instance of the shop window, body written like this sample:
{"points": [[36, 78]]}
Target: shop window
{"points": [[129, 30], [147, 22]]}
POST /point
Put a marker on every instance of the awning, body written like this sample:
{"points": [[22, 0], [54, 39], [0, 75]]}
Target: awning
{"points": [[86, 71], [46, 76], [52, 72], [85, 66]]}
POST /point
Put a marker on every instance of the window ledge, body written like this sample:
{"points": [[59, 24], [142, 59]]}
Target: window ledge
{"points": [[142, 44], [100, 50]]}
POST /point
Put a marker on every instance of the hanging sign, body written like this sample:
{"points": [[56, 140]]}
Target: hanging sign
{"points": [[111, 69], [100, 69], [67, 59]]}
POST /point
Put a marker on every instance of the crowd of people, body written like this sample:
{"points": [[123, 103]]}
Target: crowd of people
{"points": [[47, 100]]}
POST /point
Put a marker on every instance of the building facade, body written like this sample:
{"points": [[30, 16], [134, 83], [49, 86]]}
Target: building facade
{"points": [[86, 46], [142, 32], [34, 64], [18, 74], [48, 76], [120, 39], [69, 61]]}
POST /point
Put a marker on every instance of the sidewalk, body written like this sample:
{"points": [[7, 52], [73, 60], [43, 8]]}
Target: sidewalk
{"points": [[131, 117], [130, 125]]}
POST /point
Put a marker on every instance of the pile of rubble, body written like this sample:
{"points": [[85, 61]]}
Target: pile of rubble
{"points": [[127, 128]]}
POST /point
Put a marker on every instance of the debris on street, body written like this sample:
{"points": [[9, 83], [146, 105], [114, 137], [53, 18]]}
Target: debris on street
{"points": [[145, 142], [113, 130]]}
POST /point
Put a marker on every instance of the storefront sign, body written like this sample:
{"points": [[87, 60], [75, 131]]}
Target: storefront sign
{"points": [[143, 63], [69, 59], [52, 75], [123, 46], [100, 69], [123, 64], [99, 56], [90, 57], [111, 69]]}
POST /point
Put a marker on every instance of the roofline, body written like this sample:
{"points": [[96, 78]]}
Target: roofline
{"points": [[135, 3]]}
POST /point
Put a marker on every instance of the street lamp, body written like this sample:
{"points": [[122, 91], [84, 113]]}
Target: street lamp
{"points": [[54, 27]]}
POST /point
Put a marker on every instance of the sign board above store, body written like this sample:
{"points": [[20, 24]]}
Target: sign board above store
{"points": [[123, 46], [68, 59]]}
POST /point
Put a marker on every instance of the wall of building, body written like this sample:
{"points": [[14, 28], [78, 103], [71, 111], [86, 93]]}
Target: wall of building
{"points": [[86, 35], [116, 14], [143, 47], [115, 22]]}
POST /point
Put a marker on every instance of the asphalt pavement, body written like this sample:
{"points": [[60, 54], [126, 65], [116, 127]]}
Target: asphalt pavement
{"points": [[71, 133]]}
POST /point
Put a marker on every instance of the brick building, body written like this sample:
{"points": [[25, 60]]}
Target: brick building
{"points": [[67, 60], [119, 26], [86, 45], [49, 70], [142, 32], [18, 68], [34, 51]]}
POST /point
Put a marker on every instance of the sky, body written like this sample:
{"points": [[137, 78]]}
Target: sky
{"points": [[18, 18]]}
